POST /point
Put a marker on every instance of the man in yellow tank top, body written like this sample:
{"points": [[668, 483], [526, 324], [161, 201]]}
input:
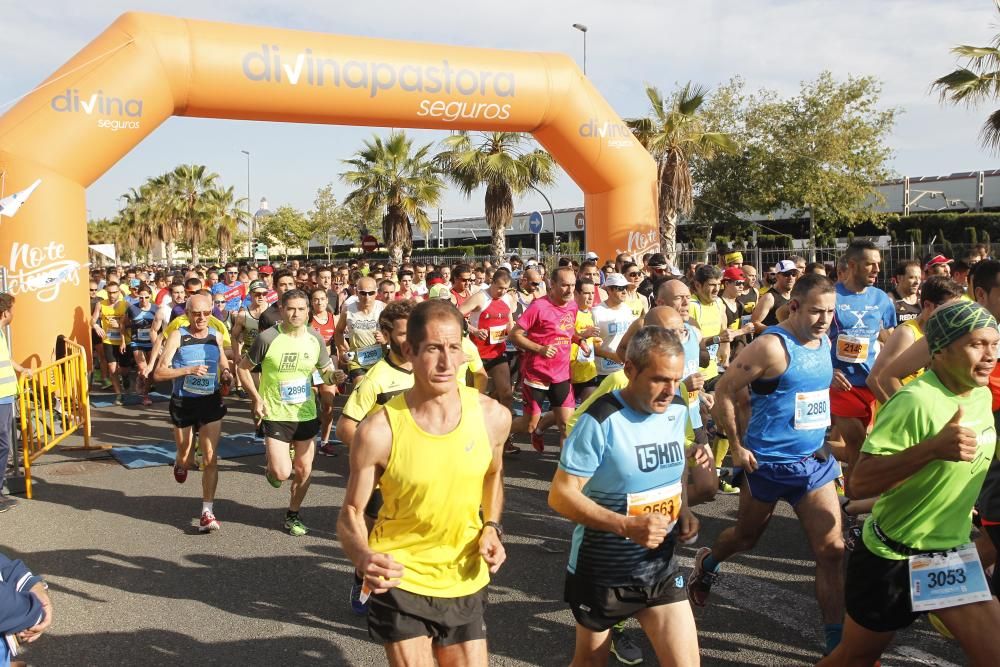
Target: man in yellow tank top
{"points": [[437, 451]]}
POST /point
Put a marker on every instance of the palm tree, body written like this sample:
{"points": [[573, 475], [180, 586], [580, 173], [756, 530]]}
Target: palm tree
{"points": [[229, 213], [190, 186], [393, 181], [673, 134], [978, 81], [505, 165]]}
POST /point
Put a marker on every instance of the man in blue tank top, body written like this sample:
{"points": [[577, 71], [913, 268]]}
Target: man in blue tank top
{"points": [[779, 442], [193, 359], [621, 480]]}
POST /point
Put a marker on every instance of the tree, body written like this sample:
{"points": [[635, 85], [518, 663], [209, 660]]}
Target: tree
{"points": [[228, 212], [393, 181], [817, 154], [673, 134], [505, 165], [977, 82], [190, 186], [289, 228]]}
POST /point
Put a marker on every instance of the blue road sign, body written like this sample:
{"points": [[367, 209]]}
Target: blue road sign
{"points": [[535, 222]]}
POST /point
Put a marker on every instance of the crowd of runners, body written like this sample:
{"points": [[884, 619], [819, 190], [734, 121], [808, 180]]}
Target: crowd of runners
{"points": [[871, 413]]}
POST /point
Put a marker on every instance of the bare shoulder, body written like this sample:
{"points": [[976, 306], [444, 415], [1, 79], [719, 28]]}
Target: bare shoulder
{"points": [[497, 416], [372, 440]]}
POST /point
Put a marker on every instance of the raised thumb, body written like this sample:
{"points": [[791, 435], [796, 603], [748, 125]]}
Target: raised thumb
{"points": [[957, 418]]}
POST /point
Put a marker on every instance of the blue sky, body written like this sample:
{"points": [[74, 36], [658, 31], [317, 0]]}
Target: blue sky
{"points": [[770, 43]]}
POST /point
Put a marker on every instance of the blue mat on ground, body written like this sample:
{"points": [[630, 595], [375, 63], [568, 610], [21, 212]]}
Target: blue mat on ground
{"points": [[162, 453], [108, 400]]}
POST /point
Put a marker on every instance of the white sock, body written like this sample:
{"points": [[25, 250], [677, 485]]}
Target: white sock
{"points": [[207, 507]]}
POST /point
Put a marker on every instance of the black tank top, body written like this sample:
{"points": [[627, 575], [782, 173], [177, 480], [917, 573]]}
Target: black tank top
{"points": [[772, 315], [732, 314]]}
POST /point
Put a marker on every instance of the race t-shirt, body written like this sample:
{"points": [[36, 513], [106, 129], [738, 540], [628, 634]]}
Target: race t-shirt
{"points": [[709, 318], [382, 381], [613, 323], [905, 311], [287, 364], [857, 321], [234, 294], [581, 366], [634, 463], [932, 509], [545, 323]]}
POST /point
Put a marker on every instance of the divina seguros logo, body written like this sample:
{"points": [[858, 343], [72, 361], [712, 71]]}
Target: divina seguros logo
{"points": [[127, 110], [270, 65], [618, 135]]}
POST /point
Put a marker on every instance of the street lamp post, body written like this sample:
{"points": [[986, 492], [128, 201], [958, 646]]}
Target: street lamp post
{"points": [[250, 229], [553, 213], [582, 28]]}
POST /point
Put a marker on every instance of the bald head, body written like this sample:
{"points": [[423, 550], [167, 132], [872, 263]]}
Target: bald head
{"points": [[665, 317], [677, 295]]}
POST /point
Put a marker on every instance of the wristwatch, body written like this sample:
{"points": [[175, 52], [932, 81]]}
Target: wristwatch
{"points": [[495, 526]]}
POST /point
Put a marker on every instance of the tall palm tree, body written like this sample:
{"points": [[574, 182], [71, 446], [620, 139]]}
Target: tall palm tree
{"points": [[153, 212], [977, 82], [190, 185], [672, 135], [507, 164], [393, 181], [229, 213]]}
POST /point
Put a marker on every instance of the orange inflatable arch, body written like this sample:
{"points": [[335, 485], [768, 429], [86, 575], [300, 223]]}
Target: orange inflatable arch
{"points": [[145, 68]]}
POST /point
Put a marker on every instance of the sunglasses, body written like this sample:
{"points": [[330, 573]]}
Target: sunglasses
{"points": [[617, 288], [219, 303], [738, 283], [232, 273], [790, 274], [633, 274], [201, 313], [259, 295], [535, 285], [364, 293]]}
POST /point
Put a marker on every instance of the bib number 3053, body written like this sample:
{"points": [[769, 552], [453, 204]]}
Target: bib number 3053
{"points": [[939, 581]]}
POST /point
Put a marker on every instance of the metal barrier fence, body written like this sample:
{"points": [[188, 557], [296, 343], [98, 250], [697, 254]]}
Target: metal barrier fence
{"points": [[54, 404]]}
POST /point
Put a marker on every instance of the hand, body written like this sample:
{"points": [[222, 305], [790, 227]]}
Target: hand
{"points": [[100, 332], [491, 549], [726, 335], [547, 351], [840, 381], [379, 338], [954, 442], [146, 370], [121, 348], [649, 530], [687, 526], [201, 370], [590, 332], [35, 631], [743, 458], [259, 410], [707, 399], [694, 382], [381, 572], [700, 456], [585, 348], [481, 334]]}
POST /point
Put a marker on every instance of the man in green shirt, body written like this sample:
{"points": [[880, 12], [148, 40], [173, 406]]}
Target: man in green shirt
{"points": [[288, 354], [926, 459]]}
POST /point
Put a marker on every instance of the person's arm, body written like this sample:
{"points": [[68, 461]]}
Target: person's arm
{"points": [[21, 607], [619, 354], [874, 474], [519, 337], [900, 340], [908, 362], [760, 311], [498, 421], [764, 357], [380, 571], [237, 334], [253, 358], [164, 372], [96, 319], [338, 333], [468, 307], [345, 429]]}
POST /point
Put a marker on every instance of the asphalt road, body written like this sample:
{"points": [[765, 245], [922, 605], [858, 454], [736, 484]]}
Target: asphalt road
{"points": [[134, 583]]}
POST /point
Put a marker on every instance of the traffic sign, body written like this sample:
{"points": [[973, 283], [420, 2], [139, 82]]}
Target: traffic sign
{"points": [[535, 222], [579, 221], [369, 243], [261, 248]]}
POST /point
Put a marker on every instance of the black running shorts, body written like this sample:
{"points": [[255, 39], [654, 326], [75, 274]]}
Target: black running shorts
{"points": [[397, 615], [597, 607], [196, 411], [291, 431], [877, 591]]}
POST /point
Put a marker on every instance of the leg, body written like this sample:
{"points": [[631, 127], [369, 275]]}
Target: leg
{"points": [[278, 463], [184, 438], [326, 394], [503, 392], [562, 416], [466, 654], [860, 647], [208, 438], [116, 383], [416, 652], [671, 629], [6, 439], [752, 518], [975, 626], [305, 450], [532, 407], [819, 515], [592, 648], [853, 432]]}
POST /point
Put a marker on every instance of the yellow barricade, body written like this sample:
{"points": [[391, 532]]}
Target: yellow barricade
{"points": [[54, 404]]}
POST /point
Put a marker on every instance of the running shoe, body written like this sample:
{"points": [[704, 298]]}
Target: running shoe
{"points": [[537, 441], [272, 480], [509, 448], [327, 449], [295, 527], [357, 606], [180, 473], [119, 399], [727, 488], [106, 384], [147, 401], [700, 581], [208, 522], [624, 648], [7, 503], [241, 392]]}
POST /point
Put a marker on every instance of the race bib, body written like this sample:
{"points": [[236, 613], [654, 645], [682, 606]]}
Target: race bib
{"points": [[294, 391], [664, 500], [852, 349], [942, 580], [498, 335], [713, 352], [582, 358], [812, 410], [201, 385], [142, 335], [606, 366], [317, 378], [369, 356], [114, 330]]}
